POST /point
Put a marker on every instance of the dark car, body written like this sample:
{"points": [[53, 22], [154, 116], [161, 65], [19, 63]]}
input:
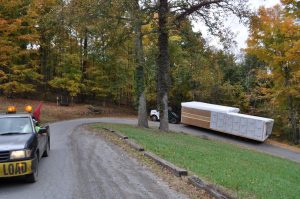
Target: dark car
{"points": [[22, 145]]}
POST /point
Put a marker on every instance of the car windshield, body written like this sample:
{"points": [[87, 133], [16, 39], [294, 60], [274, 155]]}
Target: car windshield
{"points": [[11, 125]]}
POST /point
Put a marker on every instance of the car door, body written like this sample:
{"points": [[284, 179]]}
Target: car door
{"points": [[42, 137]]}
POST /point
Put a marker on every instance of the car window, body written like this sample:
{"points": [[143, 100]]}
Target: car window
{"points": [[15, 125]]}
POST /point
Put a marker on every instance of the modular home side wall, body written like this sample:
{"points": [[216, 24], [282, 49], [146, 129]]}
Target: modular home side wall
{"points": [[195, 117], [231, 123], [252, 127]]}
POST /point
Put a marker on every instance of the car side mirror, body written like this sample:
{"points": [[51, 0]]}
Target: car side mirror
{"points": [[43, 130], [46, 127]]}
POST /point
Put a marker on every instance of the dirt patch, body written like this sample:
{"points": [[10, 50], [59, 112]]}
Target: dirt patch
{"points": [[179, 184], [284, 145]]}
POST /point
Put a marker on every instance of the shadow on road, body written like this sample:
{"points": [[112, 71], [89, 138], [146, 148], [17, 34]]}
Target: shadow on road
{"points": [[210, 134], [15, 181]]}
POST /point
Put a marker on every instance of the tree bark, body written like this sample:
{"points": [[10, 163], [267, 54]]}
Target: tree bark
{"points": [[46, 68], [292, 110], [85, 55], [163, 63], [293, 119], [44, 56], [140, 64], [83, 61]]}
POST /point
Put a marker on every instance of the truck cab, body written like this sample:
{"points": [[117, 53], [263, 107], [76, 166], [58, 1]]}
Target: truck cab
{"points": [[173, 117], [22, 145]]}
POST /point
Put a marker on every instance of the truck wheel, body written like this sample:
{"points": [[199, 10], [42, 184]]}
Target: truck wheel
{"points": [[154, 118], [47, 150], [31, 178]]}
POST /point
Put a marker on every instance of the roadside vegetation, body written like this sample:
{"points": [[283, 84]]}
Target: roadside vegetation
{"points": [[246, 172], [140, 53], [51, 112]]}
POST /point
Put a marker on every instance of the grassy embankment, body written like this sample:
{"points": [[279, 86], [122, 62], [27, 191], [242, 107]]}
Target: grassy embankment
{"points": [[246, 172]]}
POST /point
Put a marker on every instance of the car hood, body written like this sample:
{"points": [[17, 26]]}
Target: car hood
{"points": [[14, 142]]}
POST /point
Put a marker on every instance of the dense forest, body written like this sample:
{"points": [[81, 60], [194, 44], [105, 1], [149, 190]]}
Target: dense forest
{"points": [[139, 53]]}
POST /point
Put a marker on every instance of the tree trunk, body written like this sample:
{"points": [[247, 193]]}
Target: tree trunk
{"points": [[46, 68], [85, 55], [140, 64], [293, 119], [44, 56], [163, 63], [83, 62], [292, 110]]}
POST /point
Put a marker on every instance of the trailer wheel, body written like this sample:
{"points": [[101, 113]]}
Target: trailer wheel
{"points": [[154, 118], [173, 120]]}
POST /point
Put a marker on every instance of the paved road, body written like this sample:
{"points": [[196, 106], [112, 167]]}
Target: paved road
{"points": [[82, 165], [106, 172]]}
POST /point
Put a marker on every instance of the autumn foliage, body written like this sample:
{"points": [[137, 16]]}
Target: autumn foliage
{"points": [[107, 51], [275, 39]]}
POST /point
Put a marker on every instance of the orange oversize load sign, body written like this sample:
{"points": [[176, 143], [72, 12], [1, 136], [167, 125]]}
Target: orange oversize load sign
{"points": [[9, 169]]}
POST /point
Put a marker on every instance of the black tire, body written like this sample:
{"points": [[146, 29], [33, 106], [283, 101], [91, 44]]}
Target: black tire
{"points": [[173, 121], [31, 178], [47, 150], [154, 118]]}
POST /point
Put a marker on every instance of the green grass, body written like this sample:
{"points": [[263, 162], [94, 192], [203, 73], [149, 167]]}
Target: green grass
{"points": [[246, 172]]}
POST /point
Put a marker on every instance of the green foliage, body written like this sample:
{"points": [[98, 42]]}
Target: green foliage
{"points": [[202, 74], [12, 88], [64, 84], [86, 49]]}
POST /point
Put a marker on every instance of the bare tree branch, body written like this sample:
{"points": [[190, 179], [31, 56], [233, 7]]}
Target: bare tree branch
{"points": [[194, 8]]}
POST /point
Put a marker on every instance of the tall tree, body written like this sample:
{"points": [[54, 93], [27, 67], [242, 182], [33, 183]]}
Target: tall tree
{"points": [[180, 11], [137, 20], [163, 64], [45, 20], [275, 39], [19, 55]]}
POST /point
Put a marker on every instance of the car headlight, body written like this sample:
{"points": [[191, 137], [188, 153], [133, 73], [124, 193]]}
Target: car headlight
{"points": [[20, 154]]}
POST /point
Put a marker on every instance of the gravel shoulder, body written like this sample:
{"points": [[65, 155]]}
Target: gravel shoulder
{"points": [[82, 165], [105, 171]]}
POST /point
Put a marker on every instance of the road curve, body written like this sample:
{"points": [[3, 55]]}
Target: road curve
{"points": [[261, 147], [82, 165]]}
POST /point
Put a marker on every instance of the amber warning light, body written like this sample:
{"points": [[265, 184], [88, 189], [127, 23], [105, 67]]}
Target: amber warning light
{"points": [[28, 109], [11, 109]]}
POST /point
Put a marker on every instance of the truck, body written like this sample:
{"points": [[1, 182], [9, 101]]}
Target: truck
{"points": [[226, 119], [173, 117], [22, 144]]}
